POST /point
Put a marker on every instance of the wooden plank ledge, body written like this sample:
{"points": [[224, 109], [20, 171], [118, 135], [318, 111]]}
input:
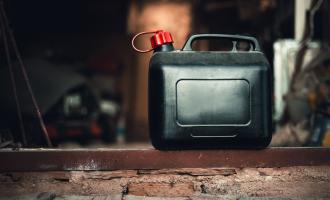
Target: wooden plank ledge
{"points": [[125, 159]]}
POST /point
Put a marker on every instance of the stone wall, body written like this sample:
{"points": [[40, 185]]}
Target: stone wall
{"points": [[186, 183]]}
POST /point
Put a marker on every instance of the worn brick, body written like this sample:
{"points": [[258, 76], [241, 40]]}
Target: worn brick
{"points": [[303, 182], [161, 189]]}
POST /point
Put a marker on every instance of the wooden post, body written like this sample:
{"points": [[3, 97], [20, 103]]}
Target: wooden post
{"points": [[174, 17]]}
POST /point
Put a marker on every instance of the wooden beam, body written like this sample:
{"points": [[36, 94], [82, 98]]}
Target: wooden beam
{"points": [[125, 159]]}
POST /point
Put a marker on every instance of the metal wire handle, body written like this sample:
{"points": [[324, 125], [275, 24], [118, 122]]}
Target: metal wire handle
{"points": [[139, 34]]}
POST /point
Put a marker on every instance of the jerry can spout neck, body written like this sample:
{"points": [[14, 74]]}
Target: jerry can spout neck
{"points": [[164, 48]]}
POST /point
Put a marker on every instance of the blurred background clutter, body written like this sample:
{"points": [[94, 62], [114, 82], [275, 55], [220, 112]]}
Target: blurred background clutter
{"points": [[91, 87]]}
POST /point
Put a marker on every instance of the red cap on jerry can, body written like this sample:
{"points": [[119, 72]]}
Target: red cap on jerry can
{"points": [[160, 37]]}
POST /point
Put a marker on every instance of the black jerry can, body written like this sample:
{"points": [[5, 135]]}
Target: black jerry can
{"points": [[209, 99]]}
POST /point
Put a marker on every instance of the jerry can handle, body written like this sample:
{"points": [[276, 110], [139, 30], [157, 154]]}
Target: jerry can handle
{"points": [[253, 41]]}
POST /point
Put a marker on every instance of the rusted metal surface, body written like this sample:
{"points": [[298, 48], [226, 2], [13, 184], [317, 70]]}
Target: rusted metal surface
{"points": [[114, 159]]}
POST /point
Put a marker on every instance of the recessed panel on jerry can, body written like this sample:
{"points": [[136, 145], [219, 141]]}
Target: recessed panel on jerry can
{"points": [[208, 99]]}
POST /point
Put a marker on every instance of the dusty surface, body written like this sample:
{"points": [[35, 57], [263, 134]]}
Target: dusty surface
{"points": [[190, 183]]}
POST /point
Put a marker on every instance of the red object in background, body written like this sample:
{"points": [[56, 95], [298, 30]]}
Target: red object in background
{"points": [[74, 132], [102, 64], [95, 129], [52, 131], [159, 38]]}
